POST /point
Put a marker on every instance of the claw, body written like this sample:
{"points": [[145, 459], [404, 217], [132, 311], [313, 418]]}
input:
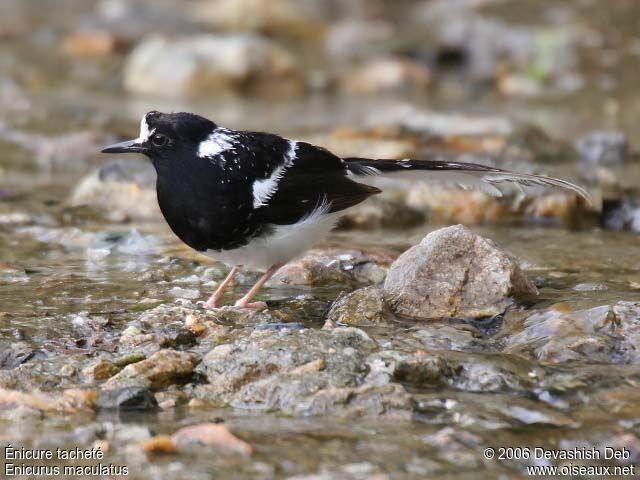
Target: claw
{"points": [[211, 304], [251, 305]]}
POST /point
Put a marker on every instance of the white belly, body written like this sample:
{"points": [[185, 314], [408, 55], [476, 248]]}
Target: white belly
{"points": [[283, 244]]}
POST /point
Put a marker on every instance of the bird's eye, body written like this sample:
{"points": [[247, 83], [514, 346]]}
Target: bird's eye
{"points": [[159, 140]]}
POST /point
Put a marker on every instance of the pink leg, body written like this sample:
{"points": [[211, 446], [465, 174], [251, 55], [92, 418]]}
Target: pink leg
{"points": [[244, 302], [215, 298]]}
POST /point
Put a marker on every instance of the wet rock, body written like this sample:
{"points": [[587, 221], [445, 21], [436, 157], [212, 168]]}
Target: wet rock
{"points": [[382, 212], [128, 359], [17, 218], [456, 446], [273, 17], [68, 371], [178, 338], [488, 45], [209, 325], [113, 433], [423, 122], [171, 315], [420, 369], [492, 373], [126, 186], [128, 398], [335, 267], [621, 213], [528, 412], [192, 323], [355, 143], [12, 96], [101, 370], [90, 43], [210, 435], [230, 316], [71, 400], [160, 370], [448, 204], [559, 207], [263, 353], [387, 74], [535, 145], [15, 354], [304, 372], [131, 20], [456, 370], [360, 308], [590, 287], [160, 444], [390, 400], [204, 63], [69, 151], [97, 245], [133, 336], [605, 334], [490, 411], [354, 39], [454, 273], [187, 293], [453, 205], [514, 84], [608, 148], [451, 337]]}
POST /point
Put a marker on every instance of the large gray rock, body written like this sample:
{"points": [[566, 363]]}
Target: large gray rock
{"points": [[303, 372], [605, 334], [200, 63], [454, 273]]}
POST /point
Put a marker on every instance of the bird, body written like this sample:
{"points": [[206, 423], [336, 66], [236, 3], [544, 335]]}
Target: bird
{"points": [[257, 200]]}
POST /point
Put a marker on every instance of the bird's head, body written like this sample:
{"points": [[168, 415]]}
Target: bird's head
{"points": [[164, 136]]}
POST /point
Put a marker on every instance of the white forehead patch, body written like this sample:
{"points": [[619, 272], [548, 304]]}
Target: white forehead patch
{"points": [[145, 133], [219, 141]]}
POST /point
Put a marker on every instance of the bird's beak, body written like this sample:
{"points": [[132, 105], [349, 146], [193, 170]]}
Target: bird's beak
{"points": [[130, 146]]}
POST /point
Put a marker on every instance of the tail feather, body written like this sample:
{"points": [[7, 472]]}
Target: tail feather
{"points": [[464, 175]]}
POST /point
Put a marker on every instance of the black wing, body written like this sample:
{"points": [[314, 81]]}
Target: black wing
{"points": [[314, 177]]}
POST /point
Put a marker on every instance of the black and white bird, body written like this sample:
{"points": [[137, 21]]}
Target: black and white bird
{"points": [[258, 200]]}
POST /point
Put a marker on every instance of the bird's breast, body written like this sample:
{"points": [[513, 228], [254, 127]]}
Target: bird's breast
{"points": [[206, 213]]}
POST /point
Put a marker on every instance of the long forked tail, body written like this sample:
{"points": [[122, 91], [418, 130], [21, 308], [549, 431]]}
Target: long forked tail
{"points": [[464, 175]]}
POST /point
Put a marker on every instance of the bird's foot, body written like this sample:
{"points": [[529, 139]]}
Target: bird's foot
{"points": [[211, 304], [252, 305]]}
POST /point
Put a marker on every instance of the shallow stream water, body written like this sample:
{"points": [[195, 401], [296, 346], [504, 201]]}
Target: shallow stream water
{"points": [[61, 268]]}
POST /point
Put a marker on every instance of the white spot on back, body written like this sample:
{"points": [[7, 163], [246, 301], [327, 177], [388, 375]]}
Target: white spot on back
{"points": [[219, 141], [265, 188]]}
